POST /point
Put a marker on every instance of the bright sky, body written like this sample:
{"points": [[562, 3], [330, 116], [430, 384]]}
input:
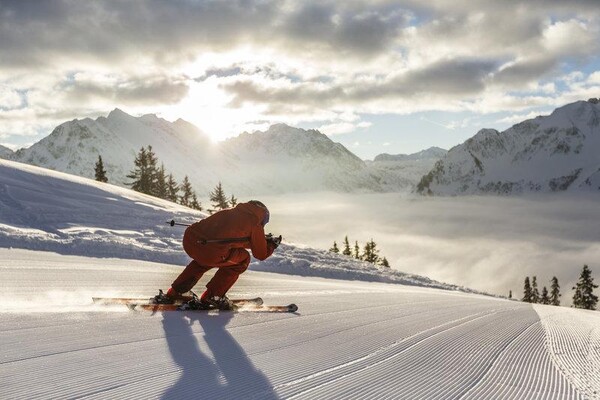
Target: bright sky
{"points": [[377, 76]]}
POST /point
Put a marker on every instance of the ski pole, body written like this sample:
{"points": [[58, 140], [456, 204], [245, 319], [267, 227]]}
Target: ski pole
{"points": [[173, 223]]}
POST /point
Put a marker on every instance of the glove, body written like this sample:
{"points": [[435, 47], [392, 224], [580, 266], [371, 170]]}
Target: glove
{"points": [[273, 240]]}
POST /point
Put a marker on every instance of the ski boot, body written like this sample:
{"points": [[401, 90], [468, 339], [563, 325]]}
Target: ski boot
{"points": [[208, 303], [222, 303], [162, 298]]}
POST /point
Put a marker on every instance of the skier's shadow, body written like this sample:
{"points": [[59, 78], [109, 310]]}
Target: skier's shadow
{"points": [[228, 374]]}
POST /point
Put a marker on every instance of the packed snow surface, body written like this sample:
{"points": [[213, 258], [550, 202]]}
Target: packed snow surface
{"points": [[349, 339]]}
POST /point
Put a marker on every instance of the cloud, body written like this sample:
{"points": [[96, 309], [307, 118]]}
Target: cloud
{"points": [[9, 98], [355, 29], [516, 118], [141, 90], [486, 243], [594, 78], [450, 78], [339, 128], [292, 61]]}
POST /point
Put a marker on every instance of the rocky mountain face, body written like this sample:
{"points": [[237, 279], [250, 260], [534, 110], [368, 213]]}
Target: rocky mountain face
{"points": [[281, 159], [5, 152], [403, 171], [558, 152]]}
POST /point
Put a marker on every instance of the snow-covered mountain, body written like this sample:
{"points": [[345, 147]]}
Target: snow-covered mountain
{"points": [[403, 171], [74, 147], [558, 152], [5, 152], [281, 159], [284, 158]]}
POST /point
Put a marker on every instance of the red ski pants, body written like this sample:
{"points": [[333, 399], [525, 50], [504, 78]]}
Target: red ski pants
{"points": [[228, 272]]}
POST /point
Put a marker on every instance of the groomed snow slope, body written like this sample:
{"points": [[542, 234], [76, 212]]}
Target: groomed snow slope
{"points": [[349, 340]]}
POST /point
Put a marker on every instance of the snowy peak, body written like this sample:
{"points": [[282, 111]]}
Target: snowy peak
{"points": [[557, 152], [118, 114], [580, 113], [5, 152]]}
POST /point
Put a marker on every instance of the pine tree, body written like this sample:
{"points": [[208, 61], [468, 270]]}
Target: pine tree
{"points": [[510, 294], [545, 299], [195, 204], [527, 295], [186, 192], [334, 248], [584, 296], [172, 189], [346, 251], [384, 262], [161, 189], [218, 198], [356, 250], [152, 172], [140, 172], [535, 294], [370, 252], [554, 292], [233, 201], [99, 171]]}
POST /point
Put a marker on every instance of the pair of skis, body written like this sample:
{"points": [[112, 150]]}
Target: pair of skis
{"points": [[145, 304]]}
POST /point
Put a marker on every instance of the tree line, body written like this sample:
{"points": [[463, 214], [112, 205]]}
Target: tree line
{"points": [[583, 296], [148, 178], [369, 254]]}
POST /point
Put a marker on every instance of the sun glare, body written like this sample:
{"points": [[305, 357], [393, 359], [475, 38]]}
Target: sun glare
{"points": [[207, 107]]}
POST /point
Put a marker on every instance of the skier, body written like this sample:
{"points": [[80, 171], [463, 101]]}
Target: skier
{"points": [[220, 241]]}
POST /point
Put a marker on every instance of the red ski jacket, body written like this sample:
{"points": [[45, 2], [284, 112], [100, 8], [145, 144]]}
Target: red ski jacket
{"points": [[243, 221]]}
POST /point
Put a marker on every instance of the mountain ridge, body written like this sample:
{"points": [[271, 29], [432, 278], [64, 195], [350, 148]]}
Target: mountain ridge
{"points": [[5, 152], [280, 159], [552, 153]]}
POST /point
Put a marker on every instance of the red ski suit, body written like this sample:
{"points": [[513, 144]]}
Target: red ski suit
{"points": [[231, 258]]}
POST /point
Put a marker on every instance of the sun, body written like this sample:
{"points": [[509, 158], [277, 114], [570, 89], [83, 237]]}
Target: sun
{"points": [[208, 107]]}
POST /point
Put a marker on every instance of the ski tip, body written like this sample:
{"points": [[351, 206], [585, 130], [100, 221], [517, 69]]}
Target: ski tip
{"points": [[292, 308]]}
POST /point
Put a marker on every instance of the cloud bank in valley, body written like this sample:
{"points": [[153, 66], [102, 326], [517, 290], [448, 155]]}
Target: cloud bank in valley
{"points": [[486, 243]]}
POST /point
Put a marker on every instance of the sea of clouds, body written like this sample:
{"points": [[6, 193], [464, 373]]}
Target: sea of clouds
{"points": [[482, 242]]}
